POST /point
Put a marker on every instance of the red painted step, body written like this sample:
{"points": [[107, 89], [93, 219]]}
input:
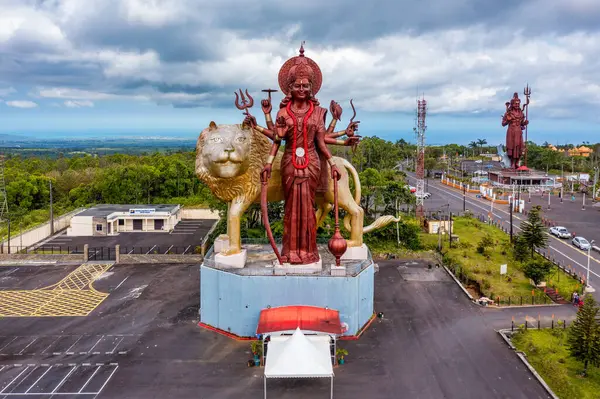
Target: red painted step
{"points": [[555, 296]]}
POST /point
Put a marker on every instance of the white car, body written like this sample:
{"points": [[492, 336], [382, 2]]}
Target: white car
{"points": [[425, 195], [560, 232], [581, 243]]}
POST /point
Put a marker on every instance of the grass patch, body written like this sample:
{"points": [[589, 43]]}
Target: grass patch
{"points": [[483, 267], [548, 353]]}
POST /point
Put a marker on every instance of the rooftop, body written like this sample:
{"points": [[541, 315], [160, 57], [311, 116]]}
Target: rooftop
{"points": [[105, 210]]}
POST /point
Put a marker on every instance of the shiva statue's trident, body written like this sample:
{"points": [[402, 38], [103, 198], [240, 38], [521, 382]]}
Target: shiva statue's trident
{"points": [[527, 93], [246, 104]]}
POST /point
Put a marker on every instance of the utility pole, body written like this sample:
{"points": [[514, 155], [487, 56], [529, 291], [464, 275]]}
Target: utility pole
{"points": [[595, 182], [450, 230], [51, 212], [512, 205], [464, 197]]}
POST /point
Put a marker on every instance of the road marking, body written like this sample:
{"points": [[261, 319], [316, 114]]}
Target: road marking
{"points": [[89, 379], [182, 234], [17, 377], [71, 347], [92, 348], [188, 247], [446, 191], [38, 380], [64, 379], [10, 272], [115, 348], [167, 251], [72, 296], [28, 345], [9, 342], [121, 283], [150, 250], [129, 253], [108, 379]]}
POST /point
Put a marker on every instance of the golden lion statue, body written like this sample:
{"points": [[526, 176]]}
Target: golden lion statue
{"points": [[229, 159]]}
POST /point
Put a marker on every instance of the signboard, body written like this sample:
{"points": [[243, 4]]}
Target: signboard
{"points": [[503, 269], [143, 211]]}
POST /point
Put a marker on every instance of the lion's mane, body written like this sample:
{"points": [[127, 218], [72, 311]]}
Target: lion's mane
{"points": [[245, 185]]}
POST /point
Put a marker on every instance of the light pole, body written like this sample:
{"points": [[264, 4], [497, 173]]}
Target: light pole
{"points": [[594, 186], [588, 288], [512, 202], [549, 192], [583, 204]]}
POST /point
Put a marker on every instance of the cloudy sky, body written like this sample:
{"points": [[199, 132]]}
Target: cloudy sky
{"points": [[168, 67]]}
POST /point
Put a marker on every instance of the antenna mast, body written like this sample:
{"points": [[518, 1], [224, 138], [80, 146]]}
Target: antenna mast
{"points": [[420, 127]]}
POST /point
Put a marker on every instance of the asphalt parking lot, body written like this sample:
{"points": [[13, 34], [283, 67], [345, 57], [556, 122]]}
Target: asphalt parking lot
{"points": [[142, 341], [186, 235]]}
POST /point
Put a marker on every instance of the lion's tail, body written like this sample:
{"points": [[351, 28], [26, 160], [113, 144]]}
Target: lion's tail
{"points": [[357, 190], [381, 221]]}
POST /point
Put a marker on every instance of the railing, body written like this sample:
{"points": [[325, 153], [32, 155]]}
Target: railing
{"points": [[42, 250]]}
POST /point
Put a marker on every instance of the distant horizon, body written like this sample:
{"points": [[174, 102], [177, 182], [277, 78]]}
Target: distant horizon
{"points": [[432, 139]]}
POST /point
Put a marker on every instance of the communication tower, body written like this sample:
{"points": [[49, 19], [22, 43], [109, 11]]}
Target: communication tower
{"points": [[419, 129]]}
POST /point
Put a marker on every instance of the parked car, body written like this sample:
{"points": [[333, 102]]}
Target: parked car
{"points": [[560, 232], [581, 243], [425, 195], [411, 188]]}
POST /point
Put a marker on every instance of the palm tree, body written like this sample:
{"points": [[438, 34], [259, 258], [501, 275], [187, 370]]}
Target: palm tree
{"points": [[473, 145], [481, 143]]}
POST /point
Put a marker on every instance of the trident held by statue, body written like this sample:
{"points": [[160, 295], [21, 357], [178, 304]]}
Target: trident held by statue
{"points": [[527, 93], [246, 104]]}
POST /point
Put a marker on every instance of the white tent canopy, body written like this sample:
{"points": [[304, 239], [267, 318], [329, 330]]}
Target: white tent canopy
{"points": [[298, 356]]}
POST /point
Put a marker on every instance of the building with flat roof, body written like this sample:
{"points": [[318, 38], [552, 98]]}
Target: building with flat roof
{"points": [[102, 220]]}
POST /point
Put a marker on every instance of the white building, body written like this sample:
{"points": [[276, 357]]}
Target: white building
{"points": [[102, 220]]}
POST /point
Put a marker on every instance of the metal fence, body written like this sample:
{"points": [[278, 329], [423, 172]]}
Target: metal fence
{"points": [[42, 250], [537, 323]]}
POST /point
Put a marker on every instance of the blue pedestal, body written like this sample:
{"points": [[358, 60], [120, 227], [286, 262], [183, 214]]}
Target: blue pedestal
{"points": [[231, 300]]}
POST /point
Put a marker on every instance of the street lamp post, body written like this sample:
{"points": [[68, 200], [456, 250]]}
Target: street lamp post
{"points": [[587, 277], [549, 192], [512, 204], [583, 204]]}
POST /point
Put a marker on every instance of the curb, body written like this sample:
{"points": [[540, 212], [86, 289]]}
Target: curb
{"points": [[459, 284], [523, 357]]}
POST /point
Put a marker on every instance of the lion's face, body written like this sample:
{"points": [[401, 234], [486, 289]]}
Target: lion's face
{"points": [[226, 150]]}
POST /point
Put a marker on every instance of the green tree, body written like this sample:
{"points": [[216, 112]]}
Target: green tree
{"points": [[584, 334], [520, 248], [533, 230], [370, 181], [537, 270]]}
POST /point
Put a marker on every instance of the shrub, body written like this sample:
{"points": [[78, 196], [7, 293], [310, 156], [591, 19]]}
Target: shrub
{"points": [[537, 270]]}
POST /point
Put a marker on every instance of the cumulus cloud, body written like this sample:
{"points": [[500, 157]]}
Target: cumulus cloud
{"points": [[21, 104], [78, 104], [468, 57]]}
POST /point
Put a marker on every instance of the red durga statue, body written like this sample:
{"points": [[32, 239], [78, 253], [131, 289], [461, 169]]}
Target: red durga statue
{"points": [[300, 122]]}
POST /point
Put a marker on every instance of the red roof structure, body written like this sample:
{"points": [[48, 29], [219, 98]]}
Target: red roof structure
{"points": [[306, 318]]}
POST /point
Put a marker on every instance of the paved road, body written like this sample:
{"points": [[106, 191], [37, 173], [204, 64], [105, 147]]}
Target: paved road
{"points": [[143, 342], [561, 250]]}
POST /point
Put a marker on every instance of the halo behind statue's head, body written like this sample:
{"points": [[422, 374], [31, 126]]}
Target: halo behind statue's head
{"points": [[300, 67]]}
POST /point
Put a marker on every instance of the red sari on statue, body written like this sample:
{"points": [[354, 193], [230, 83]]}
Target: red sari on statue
{"points": [[300, 175]]}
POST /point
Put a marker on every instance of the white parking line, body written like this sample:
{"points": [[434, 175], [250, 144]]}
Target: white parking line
{"points": [[11, 341], [71, 347], [174, 233], [167, 251], [49, 346], [38, 380], [115, 348], [92, 348], [14, 379], [150, 250], [188, 247], [121, 283], [27, 346], [64, 379], [108, 379], [89, 379]]}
